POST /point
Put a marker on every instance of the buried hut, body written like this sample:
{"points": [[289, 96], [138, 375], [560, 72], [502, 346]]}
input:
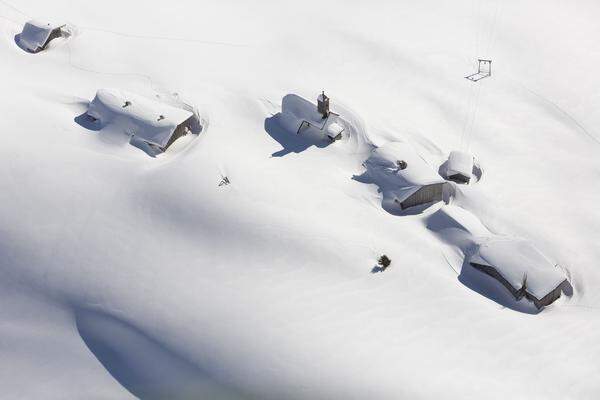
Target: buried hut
{"points": [[301, 115], [36, 35], [522, 270], [151, 121], [459, 167], [404, 177]]}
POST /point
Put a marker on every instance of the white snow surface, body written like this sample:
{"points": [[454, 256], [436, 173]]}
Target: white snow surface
{"points": [[128, 276], [148, 119]]}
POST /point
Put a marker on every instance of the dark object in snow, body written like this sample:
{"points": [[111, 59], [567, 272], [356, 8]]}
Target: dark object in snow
{"points": [[224, 181], [424, 195], [384, 261], [458, 178], [522, 270], [459, 167], [417, 185], [483, 71], [323, 105], [127, 104], [36, 35], [301, 116], [401, 164]]}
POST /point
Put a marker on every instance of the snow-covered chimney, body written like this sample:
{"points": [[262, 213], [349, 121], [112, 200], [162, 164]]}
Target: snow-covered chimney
{"points": [[323, 105]]}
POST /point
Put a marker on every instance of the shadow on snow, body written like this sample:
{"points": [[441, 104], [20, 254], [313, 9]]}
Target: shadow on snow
{"points": [[283, 127], [142, 365], [456, 234]]}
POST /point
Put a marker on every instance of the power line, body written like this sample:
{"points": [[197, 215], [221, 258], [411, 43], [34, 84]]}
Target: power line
{"points": [[166, 38], [475, 95], [14, 8]]}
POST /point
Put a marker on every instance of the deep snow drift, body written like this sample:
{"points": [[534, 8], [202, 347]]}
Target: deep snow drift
{"points": [[128, 276], [403, 178], [145, 120]]}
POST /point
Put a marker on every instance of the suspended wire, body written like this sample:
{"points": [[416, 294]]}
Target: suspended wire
{"points": [[132, 35], [470, 121], [497, 21], [107, 73], [488, 33], [468, 112], [165, 38], [14, 8], [10, 20], [478, 23], [10, 6], [124, 34], [479, 100], [468, 104], [487, 27]]}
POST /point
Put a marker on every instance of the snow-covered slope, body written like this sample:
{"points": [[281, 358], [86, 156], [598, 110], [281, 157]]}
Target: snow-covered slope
{"points": [[128, 276]]}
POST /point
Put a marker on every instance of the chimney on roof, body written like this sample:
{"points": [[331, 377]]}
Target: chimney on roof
{"points": [[323, 105]]}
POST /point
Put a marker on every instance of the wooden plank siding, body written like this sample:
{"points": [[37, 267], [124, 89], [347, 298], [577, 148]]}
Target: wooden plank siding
{"points": [[55, 34], [548, 299], [181, 130], [426, 194]]}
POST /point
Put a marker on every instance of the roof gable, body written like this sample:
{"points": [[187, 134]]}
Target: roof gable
{"points": [[516, 260], [35, 34]]}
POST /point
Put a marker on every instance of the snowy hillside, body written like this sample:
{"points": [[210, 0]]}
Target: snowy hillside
{"points": [[241, 263]]}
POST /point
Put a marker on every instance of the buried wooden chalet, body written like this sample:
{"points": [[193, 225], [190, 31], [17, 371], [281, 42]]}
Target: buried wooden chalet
{"points": [[36, 35], [156, 123], [522, 270], [404, 177]]}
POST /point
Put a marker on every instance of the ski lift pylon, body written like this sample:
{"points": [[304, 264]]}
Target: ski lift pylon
{"points": [[483, 71]]}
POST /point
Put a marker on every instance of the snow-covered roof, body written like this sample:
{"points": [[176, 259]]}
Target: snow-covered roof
{"points": [[460, 163], [383, 168], [334, 129], [515, 259], [148, 119], [35, 34], [302, 109]]}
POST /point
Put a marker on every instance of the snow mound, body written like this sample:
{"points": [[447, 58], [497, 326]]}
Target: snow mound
{"points": [[144, 119], [264, 284], [36, 35], [300, 115], [300, 126], [146, 367], [461, 167], [403, 177], [519, 266], [515, 264]]}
